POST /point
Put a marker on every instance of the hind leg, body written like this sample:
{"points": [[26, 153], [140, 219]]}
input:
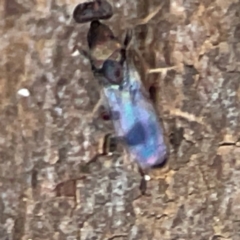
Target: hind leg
{"points": [[143, 183]]}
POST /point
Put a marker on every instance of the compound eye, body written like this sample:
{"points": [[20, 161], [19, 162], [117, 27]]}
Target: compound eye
{"points": [[113, 71], [90, 11]]}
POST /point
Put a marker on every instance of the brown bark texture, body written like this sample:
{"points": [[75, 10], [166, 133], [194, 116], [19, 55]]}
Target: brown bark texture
{"points": [[48, 136]]}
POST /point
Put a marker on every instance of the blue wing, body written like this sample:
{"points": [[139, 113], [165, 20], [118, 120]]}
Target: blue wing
{"points": [[137, 121]]}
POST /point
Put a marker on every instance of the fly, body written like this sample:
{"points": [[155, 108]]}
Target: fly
{"points": [[134, 117]]}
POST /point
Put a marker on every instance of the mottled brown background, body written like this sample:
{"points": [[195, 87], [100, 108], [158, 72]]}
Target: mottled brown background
{"points": [[44, 138]]}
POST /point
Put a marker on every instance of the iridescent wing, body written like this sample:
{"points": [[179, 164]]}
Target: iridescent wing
{"points": [[137, 123]]}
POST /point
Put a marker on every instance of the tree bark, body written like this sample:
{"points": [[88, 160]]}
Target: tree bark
{"points": [[46, 134]]}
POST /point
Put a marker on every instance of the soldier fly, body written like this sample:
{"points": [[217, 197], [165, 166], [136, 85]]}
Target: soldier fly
{"points": [[125, 97]]}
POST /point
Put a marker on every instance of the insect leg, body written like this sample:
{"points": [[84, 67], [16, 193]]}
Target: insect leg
{"points": [[108, 145], [149, 16], [105, 148], [87, 55], [143, 21], [101, 102], [128, 38], [143, 182]]}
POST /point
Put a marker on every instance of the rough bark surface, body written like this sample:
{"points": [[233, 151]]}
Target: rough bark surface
{"points": [[47, 136]]}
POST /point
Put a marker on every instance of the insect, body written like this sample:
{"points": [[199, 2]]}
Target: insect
{"points": [[125, 97]]}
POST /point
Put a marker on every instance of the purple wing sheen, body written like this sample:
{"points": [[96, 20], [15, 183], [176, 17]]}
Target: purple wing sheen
{"points": [[137, 123]]}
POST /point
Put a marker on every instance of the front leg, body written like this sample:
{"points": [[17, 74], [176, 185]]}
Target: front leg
{"points": [[142, 21], [98, 109], [150, 16], [138, 22]]}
